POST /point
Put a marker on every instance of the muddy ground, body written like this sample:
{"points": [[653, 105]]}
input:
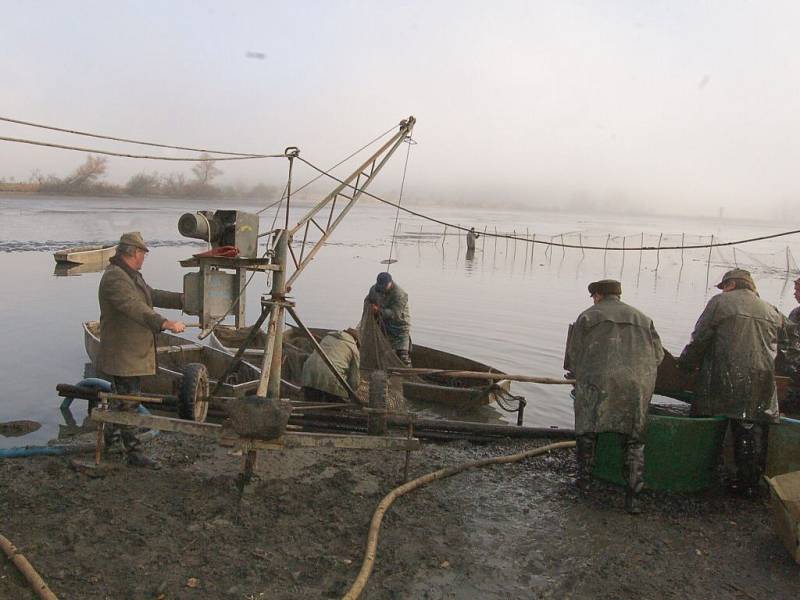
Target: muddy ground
{"points": [[514, 531]]}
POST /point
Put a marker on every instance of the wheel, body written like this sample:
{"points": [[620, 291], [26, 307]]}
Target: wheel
{"points": [[193, 393]]}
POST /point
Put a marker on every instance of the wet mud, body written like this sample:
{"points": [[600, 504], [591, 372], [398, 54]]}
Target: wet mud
{"points": [[299, 530]]}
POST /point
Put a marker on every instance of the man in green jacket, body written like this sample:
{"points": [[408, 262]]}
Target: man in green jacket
{"points": [[389, 303], [734, 344], [128, 330], [614, 353], [319, 383]]}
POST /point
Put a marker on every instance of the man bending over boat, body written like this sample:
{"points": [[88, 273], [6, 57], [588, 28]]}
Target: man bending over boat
{"points": [[389, 303], [614, 353], [319, 383], [128, 330], [734, 344]]}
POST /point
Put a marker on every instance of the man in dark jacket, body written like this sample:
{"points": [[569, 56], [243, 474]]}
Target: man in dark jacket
{"points": [[734, 344], [614, 353], [128, 330], [389, 303]]}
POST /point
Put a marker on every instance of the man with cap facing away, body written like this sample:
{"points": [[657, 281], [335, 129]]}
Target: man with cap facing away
{"points": [[128, 330], [614, 353], [734, 344], [389, 303]]}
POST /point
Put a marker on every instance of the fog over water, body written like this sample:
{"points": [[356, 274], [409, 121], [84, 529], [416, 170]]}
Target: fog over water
{"points": [[668, 108]]}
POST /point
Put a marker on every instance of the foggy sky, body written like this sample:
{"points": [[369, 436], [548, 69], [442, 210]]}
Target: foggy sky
{"points": [[672, 106]]}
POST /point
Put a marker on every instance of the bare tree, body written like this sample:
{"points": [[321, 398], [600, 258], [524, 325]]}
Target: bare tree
{"points": [[89, 172], [206, 171]]}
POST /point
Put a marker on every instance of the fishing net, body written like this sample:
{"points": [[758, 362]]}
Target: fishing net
{"points": [[377, 354]]}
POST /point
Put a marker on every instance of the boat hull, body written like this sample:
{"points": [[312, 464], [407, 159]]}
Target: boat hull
{"points": [[85, 255], [454, 393], [173, 354]]}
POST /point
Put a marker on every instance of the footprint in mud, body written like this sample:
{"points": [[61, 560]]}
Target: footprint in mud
{"points": [[18, 428]]}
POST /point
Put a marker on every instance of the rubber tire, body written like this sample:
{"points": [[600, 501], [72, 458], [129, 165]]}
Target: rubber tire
{"points": [[193, 393]]}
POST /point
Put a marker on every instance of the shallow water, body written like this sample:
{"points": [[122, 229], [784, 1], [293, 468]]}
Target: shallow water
{"points": [[503, 307]]}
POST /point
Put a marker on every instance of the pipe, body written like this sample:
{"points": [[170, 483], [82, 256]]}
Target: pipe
{"points": [[93, 383], [33, 578], [372, 537], [26, 451]]}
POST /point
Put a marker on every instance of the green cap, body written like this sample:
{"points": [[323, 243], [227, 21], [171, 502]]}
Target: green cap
{"points": [[134, 238], [605, 286], [736, 274]]}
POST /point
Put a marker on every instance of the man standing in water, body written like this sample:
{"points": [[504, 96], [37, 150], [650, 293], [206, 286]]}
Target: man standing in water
{"points": [[472, 237], [614, 353], [389, 303], [128, 330], [734, 344]]}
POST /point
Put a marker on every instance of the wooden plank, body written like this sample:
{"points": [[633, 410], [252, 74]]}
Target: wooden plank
{"points": [[288, 441], [251, 264], [479, 375]]}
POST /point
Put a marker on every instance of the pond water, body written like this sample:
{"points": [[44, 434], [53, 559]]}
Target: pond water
{"points": [[505, 306]]}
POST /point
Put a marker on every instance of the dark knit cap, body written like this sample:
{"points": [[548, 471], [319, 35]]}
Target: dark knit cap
{"points": [[384, 279]]}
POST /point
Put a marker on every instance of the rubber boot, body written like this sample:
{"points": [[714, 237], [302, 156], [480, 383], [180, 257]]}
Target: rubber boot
{"points": [[405, 357], [746, 455], [634, 475], [585, 447], [137, 458]]}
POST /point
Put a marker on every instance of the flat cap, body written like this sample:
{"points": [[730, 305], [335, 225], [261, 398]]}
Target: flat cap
{"points": [[605, 286], [736, 274], [133, 238]]}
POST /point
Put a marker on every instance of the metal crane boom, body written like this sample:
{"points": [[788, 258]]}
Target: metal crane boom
{"points": [[276, 302]]}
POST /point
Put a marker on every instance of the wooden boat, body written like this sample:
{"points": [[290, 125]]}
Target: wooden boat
{"points": [[82, 255], [175, 357], [454, 392]]}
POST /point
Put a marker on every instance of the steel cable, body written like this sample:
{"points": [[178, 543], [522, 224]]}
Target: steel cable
{"points": [[119, 139], [552, 243]]}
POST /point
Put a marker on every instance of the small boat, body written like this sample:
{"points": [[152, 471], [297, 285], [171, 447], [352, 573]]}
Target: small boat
{"points": [[177, 356], [82, 255], [451, 391]]}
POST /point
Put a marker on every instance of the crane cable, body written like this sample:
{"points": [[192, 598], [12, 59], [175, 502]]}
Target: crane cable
{"points": [[389, 261]]}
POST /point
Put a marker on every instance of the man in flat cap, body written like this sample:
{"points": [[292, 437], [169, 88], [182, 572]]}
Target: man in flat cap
{"points": [[389, 303], [614, 353], [128, 330], [734, 344]]}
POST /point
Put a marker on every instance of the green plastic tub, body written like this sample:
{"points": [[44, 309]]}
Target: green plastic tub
{"points": [[783, 451], [680, 453]]}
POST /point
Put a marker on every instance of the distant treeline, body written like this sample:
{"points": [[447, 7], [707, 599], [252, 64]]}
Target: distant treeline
{"points": [[87, 180]]}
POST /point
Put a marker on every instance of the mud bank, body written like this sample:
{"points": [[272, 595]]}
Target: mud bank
{"points": [[515, 531]]}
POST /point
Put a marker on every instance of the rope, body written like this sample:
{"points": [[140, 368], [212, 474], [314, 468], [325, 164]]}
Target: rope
{"points": [[552, 243], [118, 139], [372, 537], [34, 579], [397, 213], [340, 163], [146, 156]]}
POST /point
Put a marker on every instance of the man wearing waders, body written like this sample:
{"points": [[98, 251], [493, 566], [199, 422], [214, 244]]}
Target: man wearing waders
{"points": [[472, 237], [128, 330], [614, 353], [389, 303], [734, 344]]}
